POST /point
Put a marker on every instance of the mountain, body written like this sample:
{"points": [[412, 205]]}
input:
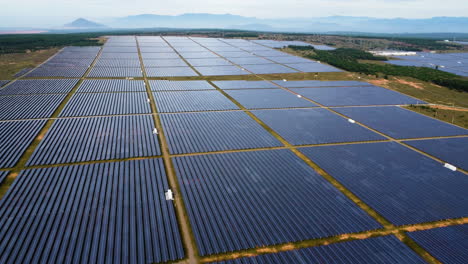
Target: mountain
{"points": [[83, 23], [321, 24]]}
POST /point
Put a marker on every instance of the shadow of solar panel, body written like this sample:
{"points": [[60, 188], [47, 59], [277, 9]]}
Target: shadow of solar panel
{"points": [[447, 244], [93, 213], [402, 185], [104, 86], [168, 55], [311, 84], [170, 72], [119, 63], [39, 87], [115, 72], [247, 201], [190, 101], [165, 63], [227, 85], [355, 96], [119, 56], [451, 150], [29, 106], [386, 249], [214, 131], [314, 126], [250, 60], [269, 68], [221, 70], [313, 67], [45, 71], [268, 98], [209, 62], [401, 123], [100, 138], [3, 82], [97, 104], [15, 137], [163, 85], [198, 55]]}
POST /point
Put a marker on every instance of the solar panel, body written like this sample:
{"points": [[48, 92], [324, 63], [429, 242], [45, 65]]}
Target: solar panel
{"points": [[39, 87], [227, 85], [163, 85], [268, 69], [104, 86], [402, 185], [209, 62], [100, 138], [401, 123], [119, 49], [307, 83], [119, 56], [45, 71], [221, 70], [234, 54], [387, 249], [15, 137], [165, 63], [160, 56], [198, 55], [90, 104], [90, 213], [313, 67], [115, 72], [268, 98], [447, 244], [451, 150], [128, 63], [246, 201], [356, 96], [252, 60], [190, 101], [159, 49], [170, 72], [314, 126], [58, 62], [3, 176], [29, 106], [290, 59]]}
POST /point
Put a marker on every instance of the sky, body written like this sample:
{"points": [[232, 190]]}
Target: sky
{"points": [[40, 13]]}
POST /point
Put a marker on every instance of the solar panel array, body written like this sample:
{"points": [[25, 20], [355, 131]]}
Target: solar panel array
{"points": [[456, 63], [3, 82], [233, 146]]}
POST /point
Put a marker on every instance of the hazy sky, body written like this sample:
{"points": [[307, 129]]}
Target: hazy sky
{"points": [[56, 12]]}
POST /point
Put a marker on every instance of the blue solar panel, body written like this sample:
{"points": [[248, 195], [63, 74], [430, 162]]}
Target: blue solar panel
{"points": [[107, 212], [163, 85], [3, 82], [45, 71], [401, 123], [3, 176], [209, 62], [221, 70], [300, 84], [290, 59], [244, 200], [171, 55], [39, 87], [314, 126], [101, 138], [116, 55], [15, 137], [63, 62], [235, 54], [103, 86], [447, 244], [402, 185], [158, 49], [451, 150], [165, 63], [190, 101], [89, 104], [29, 106], [268, 69], [355, 96], [115, 72], [226, 85], [250, 60], [107, 49], [170, 72], [313, 67], [214, 131], [382, 250], [198, 55], [125, 63], [268, 98]]}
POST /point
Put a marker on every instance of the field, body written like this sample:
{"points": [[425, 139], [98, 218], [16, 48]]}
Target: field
{"points": [[266, 159]]}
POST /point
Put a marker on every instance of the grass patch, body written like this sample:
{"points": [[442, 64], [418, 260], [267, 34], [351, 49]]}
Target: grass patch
{"points": [[458, 117]]}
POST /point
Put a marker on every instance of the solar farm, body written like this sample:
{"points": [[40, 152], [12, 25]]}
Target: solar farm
{"points": [[155, 149]]}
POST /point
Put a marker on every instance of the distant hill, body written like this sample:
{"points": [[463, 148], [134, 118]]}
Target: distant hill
{"points": [[83, 23], [320, 24]]}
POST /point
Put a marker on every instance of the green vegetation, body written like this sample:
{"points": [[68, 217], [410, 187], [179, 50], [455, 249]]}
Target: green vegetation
{"points": [[348, 59], [33, 42], [454, 116], [295, 47], [241, 35]]}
